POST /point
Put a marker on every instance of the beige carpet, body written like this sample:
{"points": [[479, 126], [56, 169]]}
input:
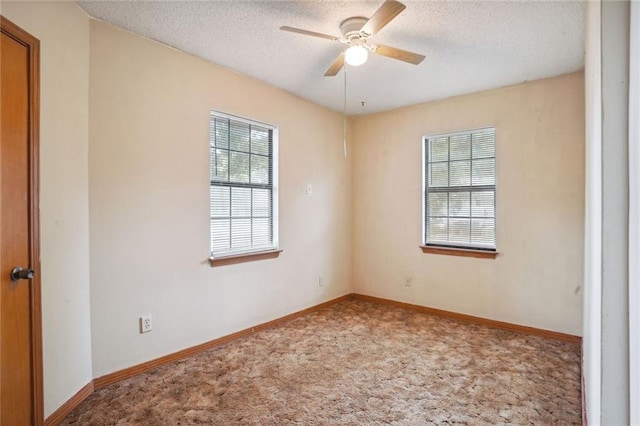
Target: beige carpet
{"points": [[356, 363]]}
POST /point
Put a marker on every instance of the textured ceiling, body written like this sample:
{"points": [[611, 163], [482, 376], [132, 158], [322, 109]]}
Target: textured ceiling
{"points": [[469, 45]]}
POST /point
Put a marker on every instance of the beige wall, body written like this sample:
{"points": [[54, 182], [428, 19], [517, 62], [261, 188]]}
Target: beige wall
{"points": [[149, 202], [63, 31], [536, 280]]}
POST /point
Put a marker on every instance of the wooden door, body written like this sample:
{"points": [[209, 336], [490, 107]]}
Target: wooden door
{"points": [[20, 329]]}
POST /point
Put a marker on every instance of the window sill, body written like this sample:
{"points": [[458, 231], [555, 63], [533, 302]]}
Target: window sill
{"points": [[244, 257], [452, 251]]}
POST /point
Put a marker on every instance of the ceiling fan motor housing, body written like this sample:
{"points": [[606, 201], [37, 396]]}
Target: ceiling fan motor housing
{"points": [[350, 27]]}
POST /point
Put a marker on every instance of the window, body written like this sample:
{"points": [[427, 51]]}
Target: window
{"points": [[243, 191], [460, 190]]}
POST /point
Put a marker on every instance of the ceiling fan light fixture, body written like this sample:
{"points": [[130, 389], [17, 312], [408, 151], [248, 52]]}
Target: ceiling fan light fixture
{"points": [[356, 55]]}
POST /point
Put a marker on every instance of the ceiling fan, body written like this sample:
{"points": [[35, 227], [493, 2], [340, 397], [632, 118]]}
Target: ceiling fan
{"points": [[356, 32]]}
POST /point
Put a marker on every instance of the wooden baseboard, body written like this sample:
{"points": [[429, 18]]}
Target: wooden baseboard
{"points": [[126, 373], [478, 320], [63, 411]]}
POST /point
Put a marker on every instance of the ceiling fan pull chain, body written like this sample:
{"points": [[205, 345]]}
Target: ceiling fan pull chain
{"points": [[344, 115]]}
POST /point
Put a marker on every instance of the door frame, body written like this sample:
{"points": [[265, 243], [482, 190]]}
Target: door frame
{"points": [[634, 213], [33, 46]]}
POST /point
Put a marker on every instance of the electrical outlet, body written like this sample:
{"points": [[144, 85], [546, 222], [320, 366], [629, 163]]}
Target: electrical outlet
{"points": [[320, 281], [145, 323], [408, 281], [309, 190]]}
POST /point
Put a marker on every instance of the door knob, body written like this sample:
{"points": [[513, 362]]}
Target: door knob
{"points": [[19, 273]]}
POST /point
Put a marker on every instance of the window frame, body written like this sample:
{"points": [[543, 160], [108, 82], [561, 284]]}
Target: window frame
{"points": [[258, 253], [453, 248]]}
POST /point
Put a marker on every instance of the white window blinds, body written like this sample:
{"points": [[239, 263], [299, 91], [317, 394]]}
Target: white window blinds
{"points": [[460, 189], [242, 192]]}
